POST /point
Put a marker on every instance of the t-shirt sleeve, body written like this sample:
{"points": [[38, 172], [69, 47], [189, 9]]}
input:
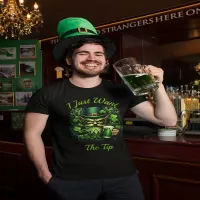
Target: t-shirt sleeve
{"points": [[39, 102], [134, 100]]}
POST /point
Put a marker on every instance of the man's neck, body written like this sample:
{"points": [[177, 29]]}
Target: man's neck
{"points": [[88, 82]]}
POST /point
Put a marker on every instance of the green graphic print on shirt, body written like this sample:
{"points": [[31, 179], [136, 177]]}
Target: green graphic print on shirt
{"points": [[97, 122]]}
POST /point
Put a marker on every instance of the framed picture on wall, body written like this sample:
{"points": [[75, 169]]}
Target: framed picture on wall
{"points": [[6, 99], [17, 120], [28, 51], [6, 84], [7, 70], [26, 83], [7, 53], [27, 68], [22, 98]]}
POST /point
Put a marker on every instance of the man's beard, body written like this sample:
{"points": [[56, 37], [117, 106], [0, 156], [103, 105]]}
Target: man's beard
{"points": [[87, 72]]}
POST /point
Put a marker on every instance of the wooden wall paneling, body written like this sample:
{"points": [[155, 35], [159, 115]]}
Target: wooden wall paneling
{"points": [[132, 45], [18, 177], [164, 180], [118, 40], [166, 187], [163, 174], [5, 125], [48, 62], [10, 168]]}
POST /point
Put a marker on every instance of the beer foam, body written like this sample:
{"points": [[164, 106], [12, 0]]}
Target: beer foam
{"points": [[136, 75]]}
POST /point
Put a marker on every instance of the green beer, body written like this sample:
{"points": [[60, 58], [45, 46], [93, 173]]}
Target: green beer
{"points": [[107, 133], [140, 84]]}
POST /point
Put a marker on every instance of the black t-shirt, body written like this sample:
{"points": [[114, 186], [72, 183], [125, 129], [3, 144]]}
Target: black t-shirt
{"points": [[87, 125]]}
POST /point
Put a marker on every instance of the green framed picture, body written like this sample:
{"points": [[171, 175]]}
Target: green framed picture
{"points": [[7, 53], [7, 70], [20, 73], [28, 51], [22, 98], [6, 99], [26, 84], [6, 85], [27, 68], [17, 120]]}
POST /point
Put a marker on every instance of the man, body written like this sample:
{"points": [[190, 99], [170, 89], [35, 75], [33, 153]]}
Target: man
{"points": [[86, 114]]}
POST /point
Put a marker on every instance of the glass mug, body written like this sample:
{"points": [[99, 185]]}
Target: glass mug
{"points": [[107, 131], [136, 76]]}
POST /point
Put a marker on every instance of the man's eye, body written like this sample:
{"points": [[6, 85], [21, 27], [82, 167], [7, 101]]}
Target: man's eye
{"points": [[83, 53], [99, 54]]}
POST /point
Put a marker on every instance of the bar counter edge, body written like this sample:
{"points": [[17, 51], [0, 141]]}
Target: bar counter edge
{"points": [[167, 169]]}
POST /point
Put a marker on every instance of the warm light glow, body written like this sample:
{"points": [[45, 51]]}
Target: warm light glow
{"points": [[1, 2], [21, 1], [35, 6], [28, 16], [16, 21]]}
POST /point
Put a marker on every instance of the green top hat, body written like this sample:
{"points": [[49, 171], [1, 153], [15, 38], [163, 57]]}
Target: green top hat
{"points": [[93, 113], [72, 30], [71, 27]]}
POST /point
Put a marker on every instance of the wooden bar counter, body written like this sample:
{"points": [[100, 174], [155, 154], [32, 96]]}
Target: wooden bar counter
{"points": [[168, 170]]}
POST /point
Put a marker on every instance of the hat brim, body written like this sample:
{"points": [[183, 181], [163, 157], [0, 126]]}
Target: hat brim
{"points": [[93, 117], [61, 47]]}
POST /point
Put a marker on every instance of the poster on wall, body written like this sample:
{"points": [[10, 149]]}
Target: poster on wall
{"points": [[28, 51], [6, 99], [7, 53], [22, 98], [20, 73], [6, 84], [26, 68], [26, 83], [7, 71], [17, 120]]}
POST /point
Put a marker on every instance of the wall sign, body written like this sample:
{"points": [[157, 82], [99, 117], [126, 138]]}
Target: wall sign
{"points": [[150, 19], [158, 17]]}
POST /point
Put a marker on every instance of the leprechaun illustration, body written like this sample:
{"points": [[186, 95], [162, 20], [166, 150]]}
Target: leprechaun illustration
{"points": [[95, 122]]}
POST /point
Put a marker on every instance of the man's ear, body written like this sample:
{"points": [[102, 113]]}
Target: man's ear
{"points": [[68, 60]]}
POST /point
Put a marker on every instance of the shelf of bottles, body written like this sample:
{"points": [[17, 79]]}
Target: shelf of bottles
{"points": [[185, 99]]}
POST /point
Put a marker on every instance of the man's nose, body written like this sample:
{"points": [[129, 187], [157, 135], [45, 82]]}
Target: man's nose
{"points": [[91, 56]]}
